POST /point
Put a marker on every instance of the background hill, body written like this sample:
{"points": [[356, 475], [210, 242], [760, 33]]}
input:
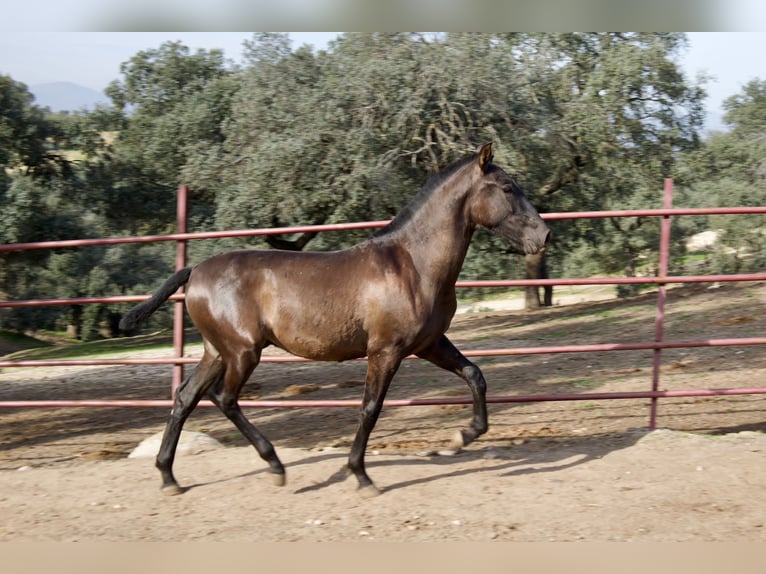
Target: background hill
{"points": [[67, 96]]}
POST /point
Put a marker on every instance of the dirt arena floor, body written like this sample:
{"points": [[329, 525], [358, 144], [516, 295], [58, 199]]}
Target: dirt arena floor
{"points": [[546, 471]]}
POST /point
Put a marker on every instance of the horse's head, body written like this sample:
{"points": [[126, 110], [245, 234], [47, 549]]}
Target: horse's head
{"points": [[499, 205]]}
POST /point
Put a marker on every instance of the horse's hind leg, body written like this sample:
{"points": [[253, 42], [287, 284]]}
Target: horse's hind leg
{"points": [[225, 395], [205, 374], [444, 354]]}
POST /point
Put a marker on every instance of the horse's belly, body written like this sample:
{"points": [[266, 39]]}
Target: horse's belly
{"points": [[319, 340]]}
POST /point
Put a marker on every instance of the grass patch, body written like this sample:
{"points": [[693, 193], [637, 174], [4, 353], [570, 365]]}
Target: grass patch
{"points": [[584, 384], [79, 350], [11, 340], [589, 405]]}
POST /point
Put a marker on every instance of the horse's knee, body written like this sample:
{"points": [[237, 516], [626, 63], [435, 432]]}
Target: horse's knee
{"points": [[474, 377]]}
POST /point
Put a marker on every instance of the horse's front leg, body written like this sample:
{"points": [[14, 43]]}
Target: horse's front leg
{"points": [[381, 368], [444, 354]]}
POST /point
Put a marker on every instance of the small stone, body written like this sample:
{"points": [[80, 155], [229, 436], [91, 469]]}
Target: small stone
{"points": [[190, 442], [448, 452]]}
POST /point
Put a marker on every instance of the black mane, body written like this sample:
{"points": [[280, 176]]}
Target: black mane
{"points": [[434, 182]]}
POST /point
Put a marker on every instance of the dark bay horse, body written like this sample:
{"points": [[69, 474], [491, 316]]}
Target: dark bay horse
{"points": [[388, 297]]}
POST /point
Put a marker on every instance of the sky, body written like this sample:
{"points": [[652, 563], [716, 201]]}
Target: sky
{"points": [[92, 59]]}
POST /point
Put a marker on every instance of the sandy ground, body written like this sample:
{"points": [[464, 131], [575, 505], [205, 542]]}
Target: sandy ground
{"points": [[657, 486], [586, 470]]}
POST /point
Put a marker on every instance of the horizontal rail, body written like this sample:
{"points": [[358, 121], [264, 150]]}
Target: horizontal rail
{"points": [[365, 225], [667, 212], [195, 235], [594, 348], [83, 301], [460, 284], [613, 280], [340, 403], [295, 403]]}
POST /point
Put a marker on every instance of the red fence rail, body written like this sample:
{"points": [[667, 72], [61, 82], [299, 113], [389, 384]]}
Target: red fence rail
{"points": [[178, 360]]}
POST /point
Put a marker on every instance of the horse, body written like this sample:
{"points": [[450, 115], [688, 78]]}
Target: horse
{"points": [[390, 296]]}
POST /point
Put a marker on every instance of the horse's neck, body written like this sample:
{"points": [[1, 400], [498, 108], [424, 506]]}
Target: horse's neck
{"points": [[437, 237]]}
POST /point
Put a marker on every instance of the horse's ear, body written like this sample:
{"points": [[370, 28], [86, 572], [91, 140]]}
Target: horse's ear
{"points": [[485, 156]]}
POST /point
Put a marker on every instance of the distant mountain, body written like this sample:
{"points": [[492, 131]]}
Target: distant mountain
{"points": [[66, 96]]}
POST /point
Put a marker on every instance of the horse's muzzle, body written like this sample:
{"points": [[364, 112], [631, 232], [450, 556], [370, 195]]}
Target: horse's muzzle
{"points": [[538, 243]]}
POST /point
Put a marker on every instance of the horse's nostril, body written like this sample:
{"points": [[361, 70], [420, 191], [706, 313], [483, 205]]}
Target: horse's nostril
{"points": [[547, 238]]}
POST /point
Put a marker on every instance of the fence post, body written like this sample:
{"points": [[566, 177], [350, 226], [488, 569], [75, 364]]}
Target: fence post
{"points": [[178, 306], [661, 297]]}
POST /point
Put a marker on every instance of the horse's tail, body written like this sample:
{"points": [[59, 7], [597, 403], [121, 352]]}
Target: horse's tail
{"points": [[146, 308]]}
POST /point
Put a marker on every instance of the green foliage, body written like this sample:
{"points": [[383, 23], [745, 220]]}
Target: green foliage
{"points": [[583, 121], [175, 103], [730, 170], [24, 135]]}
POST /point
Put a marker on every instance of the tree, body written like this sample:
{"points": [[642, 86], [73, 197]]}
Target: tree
{"points": [[45, 195], [583, 121], [617, 111], [23, 133], [281, 162], [36, 186], [730, 170], [37, 210], [175, 103]]}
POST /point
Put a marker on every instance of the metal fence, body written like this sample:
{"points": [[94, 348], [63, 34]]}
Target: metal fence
{"points": [[662, 279]]}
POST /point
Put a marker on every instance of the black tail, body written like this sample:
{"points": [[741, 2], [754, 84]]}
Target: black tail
{"points": [[146, 308]]}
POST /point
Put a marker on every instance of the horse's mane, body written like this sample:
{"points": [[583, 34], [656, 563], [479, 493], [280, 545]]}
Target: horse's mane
{"points": [[434, 182]]}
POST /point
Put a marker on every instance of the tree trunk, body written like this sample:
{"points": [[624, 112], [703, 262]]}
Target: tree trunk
{"points": [[537, 269], [297, 245], [74, 328]]}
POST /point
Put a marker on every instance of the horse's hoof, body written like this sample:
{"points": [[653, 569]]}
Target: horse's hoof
{"points": [[457, 442], [369, 491], [279, 479], [172, 490]]}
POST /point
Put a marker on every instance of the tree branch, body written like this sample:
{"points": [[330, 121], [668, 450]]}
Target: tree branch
{"points": [[276, 242]]}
